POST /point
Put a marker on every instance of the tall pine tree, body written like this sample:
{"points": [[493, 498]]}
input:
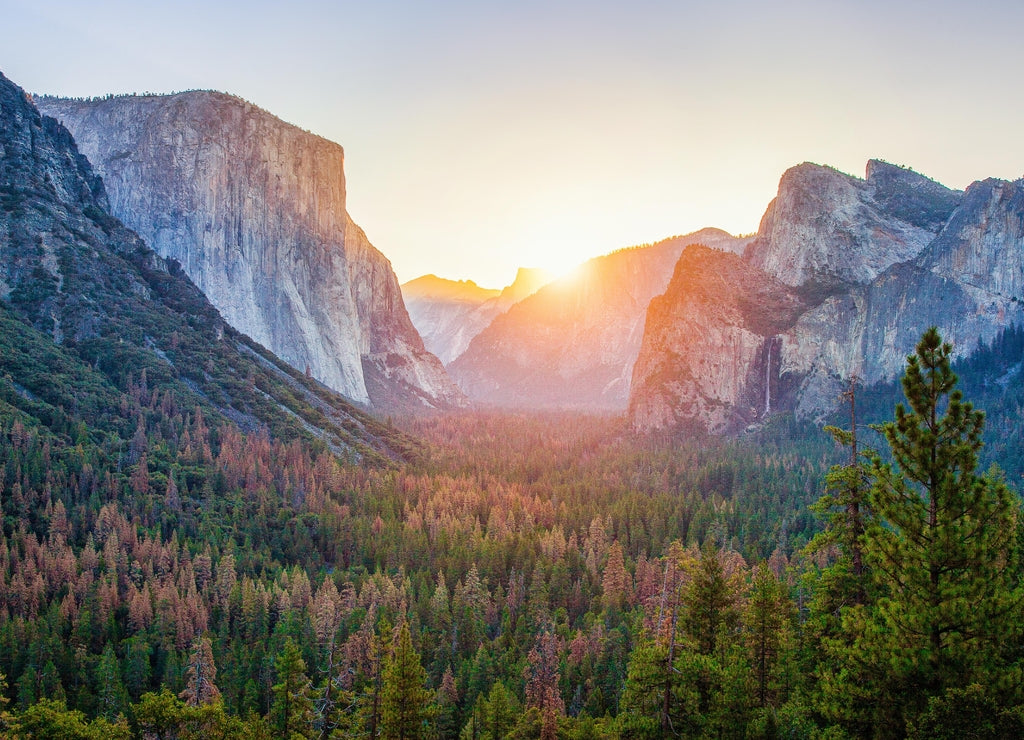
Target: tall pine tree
{"points": [[941, 550], [292, 712], [200, 675], [405, 700]]}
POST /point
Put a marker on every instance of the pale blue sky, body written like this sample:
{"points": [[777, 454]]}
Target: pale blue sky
{"points": [[480, 136]]}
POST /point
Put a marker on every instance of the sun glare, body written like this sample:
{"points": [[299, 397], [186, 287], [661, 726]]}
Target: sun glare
{"points": [[561, 265]]}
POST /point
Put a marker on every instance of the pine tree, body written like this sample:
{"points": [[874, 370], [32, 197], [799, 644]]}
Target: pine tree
{"points": [[845, 510], [542, 692], [137, 666], [441, 624], [765, 618], [616, 582], [942, 554], [378, 649], [500, 712], [660, 698], [200, 675], [711, 601], [405, 700], [292, 711], [446, 702], [111, 695], [5, 716]]}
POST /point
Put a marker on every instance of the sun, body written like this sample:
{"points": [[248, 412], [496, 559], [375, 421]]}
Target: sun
{"points": [[562, 267]]}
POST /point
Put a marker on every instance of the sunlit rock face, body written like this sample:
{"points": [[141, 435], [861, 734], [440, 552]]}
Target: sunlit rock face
{"points": [[254, 210], [710, 356], [448, 314], [870, 263], [573, 343]]}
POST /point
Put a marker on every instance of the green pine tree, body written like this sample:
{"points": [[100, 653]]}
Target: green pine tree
{"points": [[941, 551], [111, 695], [405, 701], [844, 507], [660, 698], [500, 712], [5, 717], [766, 618], [137, 666], [292, 711]]}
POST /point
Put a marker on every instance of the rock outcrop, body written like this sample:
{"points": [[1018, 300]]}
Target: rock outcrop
{"points": [[870, 265], [254, 211], [573, 343], [449, 313]]}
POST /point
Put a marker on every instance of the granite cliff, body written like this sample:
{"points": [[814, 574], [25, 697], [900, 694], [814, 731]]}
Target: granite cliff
{"points": [[254, 211], [573, 343], [862, 268]]}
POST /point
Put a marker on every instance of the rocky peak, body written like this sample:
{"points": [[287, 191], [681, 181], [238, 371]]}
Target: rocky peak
{"points": [[710, 357], [716, 239], [825, 231], [254, 210], [528, 281], [24, 161], [910, 196]]}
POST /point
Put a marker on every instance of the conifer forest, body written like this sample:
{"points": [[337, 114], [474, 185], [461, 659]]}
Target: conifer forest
{"points": [[165, 574]]}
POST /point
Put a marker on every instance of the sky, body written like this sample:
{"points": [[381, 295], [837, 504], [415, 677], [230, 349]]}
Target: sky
{"points": [[483, 136]]}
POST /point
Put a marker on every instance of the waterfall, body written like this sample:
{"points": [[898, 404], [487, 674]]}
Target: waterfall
{"points": [[768, 380]]}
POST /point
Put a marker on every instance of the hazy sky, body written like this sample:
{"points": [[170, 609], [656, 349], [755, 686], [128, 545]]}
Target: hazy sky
{"points": [[481, 136]]}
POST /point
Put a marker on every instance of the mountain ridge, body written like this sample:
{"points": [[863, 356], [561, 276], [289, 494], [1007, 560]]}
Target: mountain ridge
{"points": [[448, 314]]}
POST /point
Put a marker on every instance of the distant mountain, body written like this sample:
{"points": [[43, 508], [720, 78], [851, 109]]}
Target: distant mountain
{"points": [[528, 281], [89, 314], [432, 287], [574, 342], [449, 313], [254, 210], [849, 274]]}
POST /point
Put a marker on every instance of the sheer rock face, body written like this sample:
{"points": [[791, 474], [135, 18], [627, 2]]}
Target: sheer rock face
{"points": [[710, 356], [573, 343], [872, 263], [254, 210]]}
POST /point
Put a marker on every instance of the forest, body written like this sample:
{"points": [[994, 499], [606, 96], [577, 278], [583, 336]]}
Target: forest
{"points": [[172, 575]]}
